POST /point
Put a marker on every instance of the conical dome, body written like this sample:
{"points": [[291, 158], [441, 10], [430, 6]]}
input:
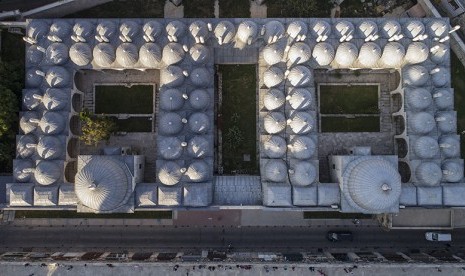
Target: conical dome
{"points": [[368, 29], [274, 30], [170, 123], [152, 28], [28, 121], [440, 76], [47, 173], [32, 78], [452, 171], [247, 31], [414, 28], [127, 54], [323, 53], [369, 55], [274, 99], [417, 52], [26, 146], [422, 122], [199, 123], [198, 171], [320, 28], [199, 99], [49, 147], [426, 147], [80, 54], [428, 173], [418, 98], [52, 123], [170, 148], [273, 53], [447, 122], [225, 32], [175, 29], [274, 147], [302, 147], [199, 30], [437, 28], [129, 29], [198, 147], [443, 98], [169, 173], [393, 54], [84, 29], [276, 170], [55, 99], [23, 170], [415, 75], [300, 76], [302, 123], [171, 76], [274, 122], [273, 77], [200, 77], [36, 29], [60, 28], [171, 99], [439, 53], [303, 174], [344, 29], [173, 53], [104, 54], [299, 53], [57, 77], [450, 146], [346, 54], [34, 54], [297, 29], [32, 98], [390, 29], [199, 54], [300, 99], [150, 55], [106, 29], [57, 53]]}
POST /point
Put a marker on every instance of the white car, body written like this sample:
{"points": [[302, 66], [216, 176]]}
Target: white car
{"points": [[438, 236]]}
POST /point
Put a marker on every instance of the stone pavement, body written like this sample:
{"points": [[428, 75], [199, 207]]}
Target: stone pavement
{"points": [[171, 11]]}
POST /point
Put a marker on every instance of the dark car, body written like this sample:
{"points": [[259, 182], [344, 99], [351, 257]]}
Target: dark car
{"points": [[336, 236]]}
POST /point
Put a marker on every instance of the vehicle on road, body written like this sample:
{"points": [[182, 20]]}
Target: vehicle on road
{"points": [[438, 236], [336, 236]]}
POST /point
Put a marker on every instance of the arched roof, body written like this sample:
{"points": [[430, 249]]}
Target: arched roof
{"points": [[198, 147], [37, 29], [199, 53], [55, 99], [274, 30], [302, 122], [274, 122], [52, 123], [199, 123], [299, 53], [106, 29], [437, 28], [49, 147], [439, 53], [450, 146], [58, 77], [171, 99], [152, 28], [173, 53], [104, 54], [32, 78], [390, 29], [275, 170], [80, 54], [393, 54], [452, 171], [169, 173], [304, 173], [417, 52], [273, 77], [23, 170], [415, 75], [150, 55], [170, 123], [428, 173], [199, 99], [200, 77], [170, 148], [443, 98], [247, 31], [274, 146], [32, 98], [60, 28], [418, 98], [302, 147], [300, 98], [129, 29], [446, 121], [199, 29], [175, 28], [346, 54], [297, 28], [369, 54], [127, 54], [426, 147], [224, 32], [47, 172], [344, 29], [28, 121], [367, 28], [26, 146], [414, 28], [422, 122], [323, 53], [34, 54], [300, 76], [171, 76], [320, 28], [198, 171], [274, 99], [273, 53], [440, 76], [57, 53], [84, 29]]}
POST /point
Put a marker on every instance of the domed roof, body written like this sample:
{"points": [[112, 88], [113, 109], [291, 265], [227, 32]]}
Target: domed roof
{"points": [[299, 53], [171, 76], [369, 54], [84, 29], [300, 76], [275, 170], [417, 52], [414, 28], [302, 122], [173, 53], [391, 28], [199, 123], [368, 28], [106, 29], [323, 53], [104, 54], [247, 31], [225, 32], [47, 173], [150, 55], [428, 173], [171, 99], [274, 99], [199, 30], [304, 174], [415, 75], [22, 170], [273, 77], [55, 99], [32, 98], [344, 29], [200, 77], [274, 147], [439, 53], [26, 146], [127, 54], [199, 99], [440, 76], [49, 147], [450, 146], [274, 122], [57, 53], [198, 147], [103, 184], [422, 122], [60, 28], [57, 77], [297, 28], [199, 54], [152, 28], [393, 54], [273, 53], [320, 28], [170, 148], [437, 28], [170, 123], [198, 171], [274, 30], [300, 98], [32, 78], [129, 29], [426, 147], [446, 121], [80, 54], [34, 54], [452, 171], [443, 98], [169, 173], [372, 184], [175, 29], [36, 29], [346, 54], [52, 123], [302, 147], [28, 121], [418, 98]]}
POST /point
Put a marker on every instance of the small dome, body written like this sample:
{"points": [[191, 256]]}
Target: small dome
{"points": [[274, 147], [368, 28], [52, 123], [414, 28], [439, 53], [369, 55], [428, 173], [152, 28], [28, 121], [300, 76], [32, 98], [346, 54], [150, 55], [32, 78], [34, 54], [36, 29], [302, 122], [170, 148], [170, 123], [169, 173], [80, 54], [302, 147], [440, 76], [450, 146], [26, 146], [344, 29], [273, 77], [22, 170], [57, 53], [393, 54], [276, 170], [200, 77], [426, 147], [390, 29], [175, 29], [274, 122], [323, 53], [199, 99], [60, 28], [199, 54], [225, 32], [49, 147], [57, 77], [274, 30], [299, 53], [127, 54], [55, 99], [296, 29], [422, 123], [106, 29], [452, 171], [273, 53], [104, 54], [198, 147], [173, 53], [300, 99], [199, 30], [198, 171], [274, 99], [171, 99], [171, 76], [247, 31], [84, 29], [129, 29], [417, 52], [447, 122], [199, 123], [47, 173], [320, 28], [443, 98], [437, 28], [304, 174], [418, 98], [415, 75]]}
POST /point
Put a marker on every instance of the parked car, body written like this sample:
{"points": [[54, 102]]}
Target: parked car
{"points": [[336, 236], [438, 236]]}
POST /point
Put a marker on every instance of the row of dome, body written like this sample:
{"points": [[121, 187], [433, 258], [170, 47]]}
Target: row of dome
{"points": [[433, 173], [173, 99], [171, 148], [298, 99], [299, 147], [428, 147], [300, 122], [423, 122], [47, 172], [49, 123], [420, 98], [297, 76], [45, 147], [170, 173], [54, 76], [303, 173], [418, 75], [53, 99]]}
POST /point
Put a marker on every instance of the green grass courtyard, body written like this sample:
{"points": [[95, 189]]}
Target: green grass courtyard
{"points": [[119, 99]]}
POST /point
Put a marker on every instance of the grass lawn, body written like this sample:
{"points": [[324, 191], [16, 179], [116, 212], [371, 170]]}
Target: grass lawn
{"points": [[342, 99], [458, 83], [239, 113], [298, 8], [124, 9], [134, 124], [357, 124], [234, 8], [74, 214], [199, 8], [119, 99]]}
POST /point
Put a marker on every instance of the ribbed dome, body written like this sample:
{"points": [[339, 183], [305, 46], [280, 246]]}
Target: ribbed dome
{"points": [[417, 52], [415, 75], [32, 78], [199, 123], [273, 77], [391, 28], [171, 99], [373, 184], [150, 55], [198, 171], [393, 54], [173, 53], [49, 147], [346, 54], [437, 28], [171, 76], [199, 30], [428, 173], [426, 147], [23, 170], [225, 32], [300, 76], [320, 28], [47, 173], [368, 28], [302, 147], [344, 29], [296, 29], [52, 123], [80, 54], [273, 53], [57, 77], [152, 28], [450, 146], [170, 123], [198, 147], [299, 53], [443, 98], [36, 29], [274, 30], [304, 174], [84, 29], [60, 28], [32, 98], [274, 122], [169, 173], [106, 29], [170, 148], [302, 122], [300, 98], [104, 54], [175, 29], [439, 53], [323, 53], [57, 53], [414, 28], [200, 77], [200, 54], [447, 122], [452, 171], [26, 146], [274, 99], [440, 76], [422, 122], [28, 121], [274, 147], [129, 29], [103, 185], [418, 98], [247, 31], [369, 54], [275, 170], [199, 99], [55, 99], [34, 54], [127, 54]]}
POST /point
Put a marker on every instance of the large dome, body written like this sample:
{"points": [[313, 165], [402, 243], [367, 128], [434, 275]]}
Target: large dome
{"points": [[275, 170], [428, 173], [199, 30], [299, 53], [452, 171], [47, 173], [273, 53], [199, 123], [304, 174], [440, 76], [297, 30], [417, 52], [225, 32], [55, 99], [247, 32], [391, 29], [300, 76], [170, 123], [274, 122], [199, 99], [173, 53], [171, 76], [200, 77], [273, 99], [198, 171], [422, 122], [426, 147], [415, 75], [171, 99], [274, 147], [323, 53], [300, 99], [273, 77], [57, 53], [57, 77], [200, 54], [302, 147], [49, 147], [198, 147], [34, 54], [32, 98], [369, 55], [443, 98], [28, 121], [447, 122], [170, 148], [127, 54], [104, 54], [150, 55], [80, 54], [450, 146], [302, 122], [26, 146], [52, 123], [346, 54], [170, 173], [22, 170], [344, 29], [418, 98], [274, 30], [414, 28], [439, 53], [393, 54]]}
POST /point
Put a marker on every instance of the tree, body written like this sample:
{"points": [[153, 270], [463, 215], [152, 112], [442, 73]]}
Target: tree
{"points": [[8, 111], [95, 128]]}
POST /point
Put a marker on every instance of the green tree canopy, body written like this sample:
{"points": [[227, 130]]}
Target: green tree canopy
{"points": [[95, 128], [8, 111]]}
